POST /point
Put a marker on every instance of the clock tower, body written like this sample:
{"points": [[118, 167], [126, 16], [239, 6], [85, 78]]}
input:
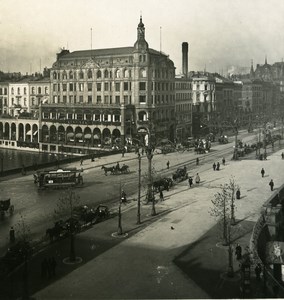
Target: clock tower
{"points": [[141, 43]]}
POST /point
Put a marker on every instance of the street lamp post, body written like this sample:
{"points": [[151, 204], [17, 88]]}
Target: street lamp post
{"points": [[236, 140], [149, 153], [139, 190]]}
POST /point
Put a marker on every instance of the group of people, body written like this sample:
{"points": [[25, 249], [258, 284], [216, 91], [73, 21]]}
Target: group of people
{"points": [[216, 167], [190, 180], [48, 267], [271, 182]]}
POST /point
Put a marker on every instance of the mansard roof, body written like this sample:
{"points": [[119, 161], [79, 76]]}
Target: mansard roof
{"points": [[82, 54]]}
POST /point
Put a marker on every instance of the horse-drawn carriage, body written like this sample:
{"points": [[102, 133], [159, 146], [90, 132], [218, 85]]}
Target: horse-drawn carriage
{"points": [[6, 207], [162, 184], [180, 174], [115, 170]]}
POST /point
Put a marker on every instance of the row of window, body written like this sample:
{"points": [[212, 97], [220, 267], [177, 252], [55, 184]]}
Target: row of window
{"points": [[3, 91], [87, 117], [108, 86], [90, 74], [33, 90]]}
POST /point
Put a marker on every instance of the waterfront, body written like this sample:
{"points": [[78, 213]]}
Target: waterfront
{"points": [[13, 159]]}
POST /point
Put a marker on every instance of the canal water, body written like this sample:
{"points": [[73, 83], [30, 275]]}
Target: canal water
{"points": [[13, 159]]}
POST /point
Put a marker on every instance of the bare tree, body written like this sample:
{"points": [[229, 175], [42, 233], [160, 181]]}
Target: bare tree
{"points": [[224, 209], [65, 207]]}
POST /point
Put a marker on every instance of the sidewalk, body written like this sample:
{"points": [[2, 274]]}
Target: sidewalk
{"points": [[178, 255], [173, 255]]}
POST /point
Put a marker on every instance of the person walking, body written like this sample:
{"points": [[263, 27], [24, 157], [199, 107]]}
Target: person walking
{"points": [[223, 161], [214, 166], [81, 162], [282, 155], [161, 195], [12, 235], [262, 172], [238, 194], [197, 179], [197, 161], [218, 166], [238, 252], [271, 183], [168, 164], [190, 181]]}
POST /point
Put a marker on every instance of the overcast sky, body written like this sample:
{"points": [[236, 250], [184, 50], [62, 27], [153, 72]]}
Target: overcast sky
{"points": [[220, 33]]}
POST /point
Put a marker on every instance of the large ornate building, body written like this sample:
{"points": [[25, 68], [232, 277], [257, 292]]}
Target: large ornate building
{"points": [[108, 96]]}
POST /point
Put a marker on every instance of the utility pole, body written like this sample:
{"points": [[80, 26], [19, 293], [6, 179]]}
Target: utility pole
{"points": [[119, 229], [149, 153], [139, 190]]}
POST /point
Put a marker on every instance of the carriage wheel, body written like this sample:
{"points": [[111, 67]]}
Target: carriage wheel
{"points": [[11, 209]]}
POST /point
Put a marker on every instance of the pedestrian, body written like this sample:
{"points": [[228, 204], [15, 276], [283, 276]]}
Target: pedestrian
{"points": [[197, 179], [218, 166], [44, 266], [271, 183], [282, 155], [161, 195], [168, 164], [143, 151], [190, 181], [265, 156], [81, 161], [223, 161], [214, 166], [262, 172], [93, 158], [12, 235], [238, 194], [238, 252], [197, 161], [53, 265], [257, 271], [122, 152]]}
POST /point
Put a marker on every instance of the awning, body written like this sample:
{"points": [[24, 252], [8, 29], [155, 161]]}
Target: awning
{"points": [[35, 133], [70, 134], [87, 136], [29, 132], [96, 137], [79, 135]]}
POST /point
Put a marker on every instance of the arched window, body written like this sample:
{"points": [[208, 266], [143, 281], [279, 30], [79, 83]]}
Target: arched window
{"points": [[54, 75], [71, 75], [99, 74], [81, 75], [64, 75], [90, 74], [143, 73], [106, 74], [126, 73], [117, 73]]}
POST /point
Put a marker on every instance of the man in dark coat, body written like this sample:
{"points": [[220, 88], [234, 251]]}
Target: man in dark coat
{"points": [[271, 183], [238, 252], [262, 172], [218, 166], [190, 181], [214, 166]]}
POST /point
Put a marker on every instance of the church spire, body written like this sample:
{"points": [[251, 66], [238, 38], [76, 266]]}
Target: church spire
{"points": [[141, 42]]}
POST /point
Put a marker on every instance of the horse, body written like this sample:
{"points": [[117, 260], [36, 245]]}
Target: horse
{"points": [[110, 169], [124, 169]]}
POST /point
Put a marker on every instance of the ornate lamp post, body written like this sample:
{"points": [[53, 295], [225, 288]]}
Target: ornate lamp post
{"points": [[139, 190], [149, 153]]}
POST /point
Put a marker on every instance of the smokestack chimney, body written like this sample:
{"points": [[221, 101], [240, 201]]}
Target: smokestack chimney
{"points": [[185, 59]]}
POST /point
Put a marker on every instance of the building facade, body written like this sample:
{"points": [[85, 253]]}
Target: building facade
{"points": [[108, 97]]}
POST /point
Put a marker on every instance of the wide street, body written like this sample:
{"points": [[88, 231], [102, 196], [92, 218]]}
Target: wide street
{"points": [[37, 206]]}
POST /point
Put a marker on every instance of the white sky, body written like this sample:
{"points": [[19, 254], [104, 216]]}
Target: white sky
{"points": [[220, 33]]}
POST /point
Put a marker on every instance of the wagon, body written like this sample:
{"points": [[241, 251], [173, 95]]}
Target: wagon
{"points": [[6, 207]]}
